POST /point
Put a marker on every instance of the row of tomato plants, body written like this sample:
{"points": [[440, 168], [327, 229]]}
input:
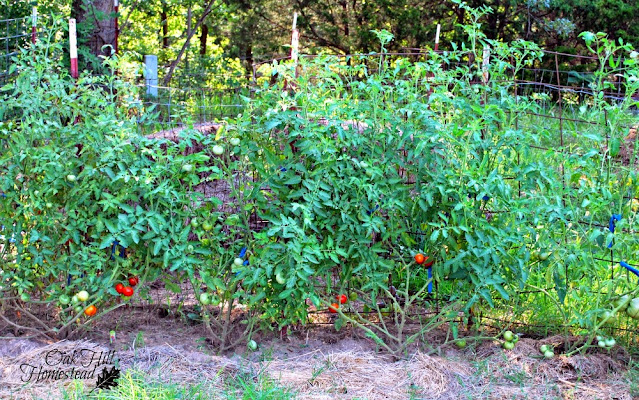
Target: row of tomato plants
{"points": [[324, 166]]}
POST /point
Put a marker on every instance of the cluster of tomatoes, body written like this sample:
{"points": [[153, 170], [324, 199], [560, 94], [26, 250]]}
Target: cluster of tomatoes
{"points": [[127, 291], [341, 299], [80, 297], [509, 340]]}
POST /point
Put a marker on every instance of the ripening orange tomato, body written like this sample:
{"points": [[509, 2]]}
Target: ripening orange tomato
{"points": [[90, 311], [419, 258]]}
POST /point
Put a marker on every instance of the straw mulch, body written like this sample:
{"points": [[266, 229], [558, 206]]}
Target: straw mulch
{"points": [[486, 372]]}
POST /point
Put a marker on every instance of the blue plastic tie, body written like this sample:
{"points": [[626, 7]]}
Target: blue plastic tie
{"points": [[122, 250], [283, 169], [372, 210], [242, 252], [485, 198], [629, 268], [611, 225], [430, 279], [246, 262]]}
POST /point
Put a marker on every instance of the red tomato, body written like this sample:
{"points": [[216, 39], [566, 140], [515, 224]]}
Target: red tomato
{"points": [[342, 298], [428, 263], [90, 311], [133, 280], [119, 288], [127, 291], [419, 258], [333, 308]]}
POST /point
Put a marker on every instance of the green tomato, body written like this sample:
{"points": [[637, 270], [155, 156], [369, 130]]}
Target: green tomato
{"points": [[508, 345], [608, 317], [461, 343], [74, 299], [238, 262], [235, 141], [207, 226], [49, 205], [215, 301], [352, 296], [601, 343], [25, 297], [280, 278], [83, 295], [544, 348], [363, 164], [204, 299], [187, 168], [64, 299], [252, 345], [71, 178], [194, 223], [549, 354], [509, 336], [622, 302], [610, 342], [218, 150], [633, 308], [369, 172], [544, 256], [78, 309]]}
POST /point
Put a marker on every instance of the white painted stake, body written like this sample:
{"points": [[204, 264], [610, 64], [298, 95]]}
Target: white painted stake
{"points": [[437, 37], [34, 23], [295, 40], [73, 48]]}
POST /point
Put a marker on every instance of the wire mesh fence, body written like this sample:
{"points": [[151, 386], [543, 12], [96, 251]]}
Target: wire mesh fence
{"points": [[14, 34]]}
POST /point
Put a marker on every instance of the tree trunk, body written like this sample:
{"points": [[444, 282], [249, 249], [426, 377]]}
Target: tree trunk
{"points": [[204, 35], [189, 35], [165, 27], [96, 24]]}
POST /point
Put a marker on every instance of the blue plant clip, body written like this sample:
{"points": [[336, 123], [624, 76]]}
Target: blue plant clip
{"points": [[629, 268], [246, 262], [611, 225], [283, 169], [485, 198], [430, 279], [242, 252]]}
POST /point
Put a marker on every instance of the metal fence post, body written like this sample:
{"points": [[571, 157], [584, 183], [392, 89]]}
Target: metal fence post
{"points": [[151, 74]]}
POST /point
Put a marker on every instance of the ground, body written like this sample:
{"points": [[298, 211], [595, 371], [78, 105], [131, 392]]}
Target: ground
{"points": [[316, 363]]}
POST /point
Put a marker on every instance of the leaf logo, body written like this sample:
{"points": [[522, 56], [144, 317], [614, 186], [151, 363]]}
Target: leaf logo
{"points": [[107, 379]]}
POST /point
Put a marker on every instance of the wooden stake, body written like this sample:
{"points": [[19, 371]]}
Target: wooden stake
{"points": [[73, 48], [485, 63]]}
